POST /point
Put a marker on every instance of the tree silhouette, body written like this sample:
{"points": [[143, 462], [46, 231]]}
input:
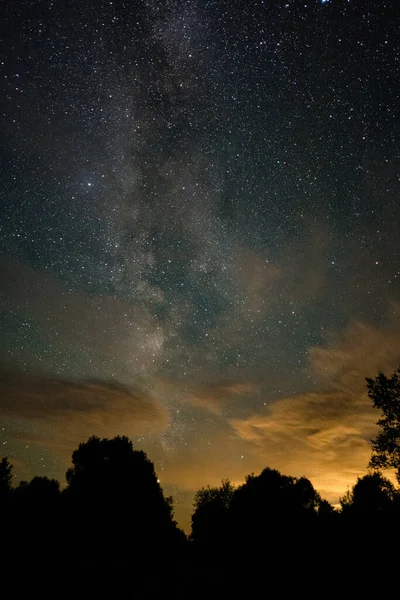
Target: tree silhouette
{"points": [[271, 495], [114, 525], [253, 527], [7, 529], [372, 495], [111, 471], [385, 395], [37, 500], [325, 509], [115, 502], [39, 490], [5, 501], [278, 508], [370, 518], [37, 515], [211, 511], [5, 479]]}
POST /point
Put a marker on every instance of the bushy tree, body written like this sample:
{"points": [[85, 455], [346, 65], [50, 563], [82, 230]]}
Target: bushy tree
{"points": [[210, 516], [271, 495], [115, 500], [39, 490], [385, 395], [5, 479], [372, 495], [111, 471], [325, 508]]}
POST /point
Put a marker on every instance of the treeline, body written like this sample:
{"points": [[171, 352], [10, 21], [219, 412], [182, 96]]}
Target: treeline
{"points": [[111, 525], [112, 530]]}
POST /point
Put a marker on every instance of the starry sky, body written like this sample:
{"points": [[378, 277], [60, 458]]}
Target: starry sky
{"points": [[199, 224]]}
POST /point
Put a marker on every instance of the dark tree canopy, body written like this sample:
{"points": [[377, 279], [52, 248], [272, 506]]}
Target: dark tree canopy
{"points": [[268, 506], [40, 493], [5, 479], [372, 495], [113, 517], [325, 508], [113, 522], [210, 516], [215, 498], [272, 495], [109, 466], [113, 484], [385, 395]]}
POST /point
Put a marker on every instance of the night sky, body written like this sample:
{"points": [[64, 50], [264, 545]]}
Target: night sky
{"points": [[199, 231]]}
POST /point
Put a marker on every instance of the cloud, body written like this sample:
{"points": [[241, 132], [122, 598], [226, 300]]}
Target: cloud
{"points": [[325, 435], [360, 351], [59, 413], [258, 279], [215, 398]]}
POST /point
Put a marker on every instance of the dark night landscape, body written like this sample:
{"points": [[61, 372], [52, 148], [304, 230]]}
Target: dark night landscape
{"points": [[199, 298]]}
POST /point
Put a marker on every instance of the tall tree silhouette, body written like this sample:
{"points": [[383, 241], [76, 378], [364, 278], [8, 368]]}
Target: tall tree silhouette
{"points": [[7, 518], [37, 515], [116, 503], [385, 395], [274, 507], [5, 480], [210, 518], [370, 518]]}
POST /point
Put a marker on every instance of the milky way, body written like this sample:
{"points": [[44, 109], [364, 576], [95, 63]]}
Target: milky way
{"points": [[199, 233]]}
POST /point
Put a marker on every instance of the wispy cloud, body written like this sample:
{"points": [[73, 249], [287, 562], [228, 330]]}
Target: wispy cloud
{"points": [[326, 434], [66, 412], [215, 398]]}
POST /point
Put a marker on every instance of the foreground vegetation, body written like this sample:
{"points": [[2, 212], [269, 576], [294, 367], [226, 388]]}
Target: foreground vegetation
{"points": [[112, 531]]}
